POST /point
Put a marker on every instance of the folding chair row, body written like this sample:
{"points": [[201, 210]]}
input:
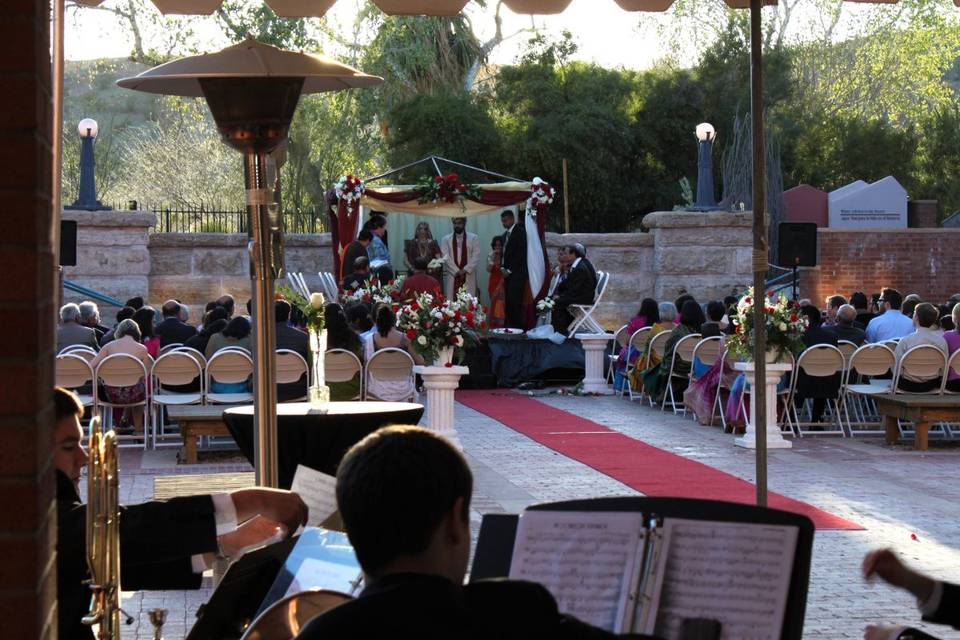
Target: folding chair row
{"points": [[387, 375]]}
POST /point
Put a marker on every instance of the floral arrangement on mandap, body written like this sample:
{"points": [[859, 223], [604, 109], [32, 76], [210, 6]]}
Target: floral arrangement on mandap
{"points": [[541, 193], [784, 326], [349, 188], [376, 292], [433, 324], [448, 188]]}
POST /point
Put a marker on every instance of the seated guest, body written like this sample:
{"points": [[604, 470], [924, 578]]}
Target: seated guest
{"points": [[340, 336], [845, 327], [145, 317], [927, 332], [227, 302], [647, 315], [679, 302], [946, 321], [359, 277], [355, 249], [122, 314], [861, 303], [385, 337], [235, 334], [71, 332], [377, 250], [173, 329], [404, 496], [90, 317], [834, 302], [952, 338], [295, 340], [939, 602], [136, 302], [357, 313], [213, 322], [163, 544], [891, 323], [910, 302], [820, 389], [712, 327], [578, 287], [127, 341], [655, 378], [419, 282], [666, 313]]}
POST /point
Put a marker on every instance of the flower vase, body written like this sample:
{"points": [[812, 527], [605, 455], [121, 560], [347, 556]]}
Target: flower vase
{"points": [[444, 357], [319, 392]]}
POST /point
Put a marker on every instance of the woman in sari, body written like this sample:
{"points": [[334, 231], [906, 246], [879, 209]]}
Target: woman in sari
{"points": [[497, 314], [648, 315], [655, 379], [422, 246]]}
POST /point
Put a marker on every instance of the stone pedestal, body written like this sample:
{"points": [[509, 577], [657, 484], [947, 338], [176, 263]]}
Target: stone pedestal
{"points": [[595, 347], [440, 383], [775, 439]]}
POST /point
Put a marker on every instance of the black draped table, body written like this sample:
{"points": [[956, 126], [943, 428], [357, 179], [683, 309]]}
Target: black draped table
{"points": [[516, 358], [315, 439]]}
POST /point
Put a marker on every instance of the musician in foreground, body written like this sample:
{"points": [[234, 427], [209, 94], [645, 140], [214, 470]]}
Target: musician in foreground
{"points": [[163, 544], [404, 497]]}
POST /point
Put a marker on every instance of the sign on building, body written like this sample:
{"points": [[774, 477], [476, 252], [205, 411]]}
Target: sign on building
{"points": [[881, 204]]}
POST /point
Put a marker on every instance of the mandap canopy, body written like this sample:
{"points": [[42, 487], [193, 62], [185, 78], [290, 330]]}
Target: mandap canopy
{"points": [[351, 194]]}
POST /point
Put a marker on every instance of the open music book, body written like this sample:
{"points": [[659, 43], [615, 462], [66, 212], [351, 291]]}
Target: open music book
{"points": [[619, 572]]}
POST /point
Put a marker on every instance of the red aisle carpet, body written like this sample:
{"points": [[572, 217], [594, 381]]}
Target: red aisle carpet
{"points": [[649, 470]]}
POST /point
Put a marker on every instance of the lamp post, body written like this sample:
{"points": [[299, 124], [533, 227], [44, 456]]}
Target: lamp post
{"points": [[87, 197], [706, 135]]}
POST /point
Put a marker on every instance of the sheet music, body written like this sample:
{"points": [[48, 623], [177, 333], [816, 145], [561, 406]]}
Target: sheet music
{"points": [[737, 573], [318, 491], [586, 559]]}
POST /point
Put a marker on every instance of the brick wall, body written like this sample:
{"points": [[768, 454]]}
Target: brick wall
{"points": [[924, 261], [27, 526]]}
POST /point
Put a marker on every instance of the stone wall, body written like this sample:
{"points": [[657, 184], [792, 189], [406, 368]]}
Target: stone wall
{"points": [[924, 261]]}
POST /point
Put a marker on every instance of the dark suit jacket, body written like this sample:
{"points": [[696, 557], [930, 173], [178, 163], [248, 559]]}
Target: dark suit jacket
{"points": [[947, 613], [579, 287], [172, 331], [295, 340], [515, 251], [353, 251], [72, 333], [156, 542], [848, 332], [430, 607], [812, 387]]}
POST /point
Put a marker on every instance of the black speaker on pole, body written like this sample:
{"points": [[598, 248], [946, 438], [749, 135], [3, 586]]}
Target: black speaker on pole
{"points": [[797, 246], [68, 243]]}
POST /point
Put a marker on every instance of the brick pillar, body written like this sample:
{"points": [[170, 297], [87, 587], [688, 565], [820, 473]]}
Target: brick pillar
{"points": [[28, 521]]}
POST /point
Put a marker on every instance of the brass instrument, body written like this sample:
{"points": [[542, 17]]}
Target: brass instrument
{"points": [[103, 533]]}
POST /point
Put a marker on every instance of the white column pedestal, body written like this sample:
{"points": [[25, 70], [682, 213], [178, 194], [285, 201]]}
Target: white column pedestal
{"points": [[775, 439], [595, 347], [440, 383]]}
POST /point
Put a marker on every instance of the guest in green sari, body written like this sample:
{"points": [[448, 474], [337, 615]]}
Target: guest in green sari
{"points": [[341, 336], [655, 378]]}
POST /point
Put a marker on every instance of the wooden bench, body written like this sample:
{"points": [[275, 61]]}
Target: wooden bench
{"points": [[198, 420], [181, 484], [921, 410]]}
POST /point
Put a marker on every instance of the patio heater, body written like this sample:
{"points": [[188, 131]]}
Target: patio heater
{"points": [[706, 134], [252, 90]]}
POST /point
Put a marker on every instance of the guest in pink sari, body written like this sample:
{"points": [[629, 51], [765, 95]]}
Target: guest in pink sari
{"points": [[700, 396]]}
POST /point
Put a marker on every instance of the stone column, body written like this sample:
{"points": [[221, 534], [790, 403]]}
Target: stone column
{"points": [[775, 439], [595, 349], [440, 383]]}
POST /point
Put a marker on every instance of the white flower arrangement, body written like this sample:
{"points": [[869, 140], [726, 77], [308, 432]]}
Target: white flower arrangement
{"points": [[349, 188], [433, 324], [541, 193], [436, 263], [545, 305]]}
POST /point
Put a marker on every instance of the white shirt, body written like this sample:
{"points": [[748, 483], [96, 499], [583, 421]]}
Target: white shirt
{"points": [[891, 324]]}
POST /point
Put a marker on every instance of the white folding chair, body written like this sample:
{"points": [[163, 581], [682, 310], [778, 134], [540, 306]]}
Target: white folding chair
{"points": [[619, 343], [199, 357], [124, 370], [656, 347], [870, 360], [228, 366], [718, 405], [923, 363], [392, 366], [819, 361], [340, 365], [682, 352], [953, 366], [706, 351], [638, 343], [291, 367], [82, 350], [173, 346], [847, 348], [73, 372], [175, 368], [583, 313]]}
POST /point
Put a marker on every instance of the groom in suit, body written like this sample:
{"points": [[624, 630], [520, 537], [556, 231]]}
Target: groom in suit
{"points": [[577, 287], [513, 265]]}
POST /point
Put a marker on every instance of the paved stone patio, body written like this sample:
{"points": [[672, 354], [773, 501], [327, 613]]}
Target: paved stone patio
{"points": [[893, 492]]}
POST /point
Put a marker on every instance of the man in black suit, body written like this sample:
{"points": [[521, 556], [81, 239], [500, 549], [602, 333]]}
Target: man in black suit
{"points": [[711, 328], [579, 286], [404, 496], [845, 326], [171, 329], [358, 277], [939, 602], [354, 250], [295, 340], [163, 544], [817, 388], [513, 266]]}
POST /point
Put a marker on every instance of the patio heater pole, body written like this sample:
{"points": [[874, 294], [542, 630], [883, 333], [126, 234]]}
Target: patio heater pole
{"points": [[759, 247]]}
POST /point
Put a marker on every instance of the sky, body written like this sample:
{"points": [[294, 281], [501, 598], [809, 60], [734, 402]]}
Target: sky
{"points": [[605, 33]]}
